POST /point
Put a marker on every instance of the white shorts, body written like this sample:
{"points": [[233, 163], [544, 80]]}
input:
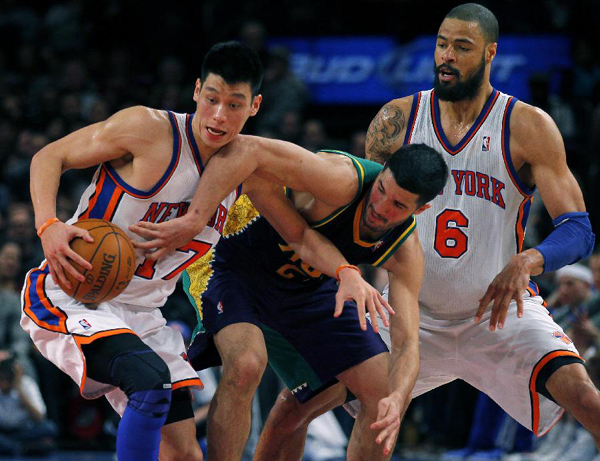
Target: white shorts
{"points": [[504, 364], [59, 326]]}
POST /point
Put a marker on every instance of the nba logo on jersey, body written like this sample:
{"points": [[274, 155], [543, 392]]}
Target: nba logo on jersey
{"points": [[220, 307], [85, 324], [563, 337], [485, 144], [377, 246]]}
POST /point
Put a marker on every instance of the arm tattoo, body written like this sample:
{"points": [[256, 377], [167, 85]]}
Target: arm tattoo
{"points": [[384, 132]]}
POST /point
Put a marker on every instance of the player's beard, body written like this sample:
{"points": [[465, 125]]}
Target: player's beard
{"points": [[461, 90]]}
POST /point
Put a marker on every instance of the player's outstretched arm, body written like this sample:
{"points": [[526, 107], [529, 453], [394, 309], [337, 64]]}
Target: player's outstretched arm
{"points": [[405, 269], [316, 251], [387, 130], [277, 161], [86, 147], [536, 144]]}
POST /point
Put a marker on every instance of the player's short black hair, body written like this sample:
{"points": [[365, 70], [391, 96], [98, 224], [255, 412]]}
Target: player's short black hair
{"points": [[235, 63], [473, 12], [419, 169]]}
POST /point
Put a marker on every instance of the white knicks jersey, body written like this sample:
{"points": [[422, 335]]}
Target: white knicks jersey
{"points": [[109, 197], [478, 222]]}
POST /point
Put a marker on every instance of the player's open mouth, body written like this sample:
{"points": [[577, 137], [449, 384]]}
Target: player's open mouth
{"points": [[215, 132], [446, 73]]}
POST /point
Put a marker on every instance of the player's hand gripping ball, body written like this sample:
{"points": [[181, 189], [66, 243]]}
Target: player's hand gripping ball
{"points": [[112, 258]]}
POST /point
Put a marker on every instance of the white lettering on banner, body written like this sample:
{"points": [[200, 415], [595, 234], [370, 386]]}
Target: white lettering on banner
{"points": [[504, 65], [395, 68], [337, 69]]}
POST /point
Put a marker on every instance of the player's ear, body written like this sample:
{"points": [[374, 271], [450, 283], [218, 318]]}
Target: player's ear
{"points": [[255, 104], [197, 88], [422, 208], [490, 52]]}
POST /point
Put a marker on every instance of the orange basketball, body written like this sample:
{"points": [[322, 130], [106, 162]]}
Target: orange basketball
{"points": [[112, 258]]}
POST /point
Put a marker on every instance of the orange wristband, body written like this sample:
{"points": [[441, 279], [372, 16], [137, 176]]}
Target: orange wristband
{"points": [[346, 266], [46, 225]]}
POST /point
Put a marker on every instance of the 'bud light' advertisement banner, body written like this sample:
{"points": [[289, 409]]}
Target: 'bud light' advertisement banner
{"points": [[373, 70]]}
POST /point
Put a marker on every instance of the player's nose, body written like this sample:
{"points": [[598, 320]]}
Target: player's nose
{"points": [[219, 113]]}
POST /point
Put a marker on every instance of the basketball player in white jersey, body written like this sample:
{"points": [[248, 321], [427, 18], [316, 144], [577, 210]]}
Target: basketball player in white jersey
{"points": [[482, 320], [151, 162]]}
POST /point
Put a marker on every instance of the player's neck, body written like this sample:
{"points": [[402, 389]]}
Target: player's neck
{"points": [[466, 112]]}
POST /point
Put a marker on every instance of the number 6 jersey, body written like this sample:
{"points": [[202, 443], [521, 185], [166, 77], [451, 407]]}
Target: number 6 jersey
{"points": [[477, 223]]}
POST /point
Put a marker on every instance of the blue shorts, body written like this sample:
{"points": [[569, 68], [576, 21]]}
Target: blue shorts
{"points": [[307, 346]]}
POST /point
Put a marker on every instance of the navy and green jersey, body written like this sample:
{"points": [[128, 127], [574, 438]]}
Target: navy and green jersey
{"points": [[259, 245]]}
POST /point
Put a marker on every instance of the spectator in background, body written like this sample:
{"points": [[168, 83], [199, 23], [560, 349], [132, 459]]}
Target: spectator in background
{"points": [[357, 143], [13, 340], [291, 127], [24, 428], [282, 91], [21, 230], [314, 136], [254, 35], [574, 290]]}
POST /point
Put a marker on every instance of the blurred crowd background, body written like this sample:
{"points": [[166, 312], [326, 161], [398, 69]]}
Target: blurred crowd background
{"points": [[67, 64]]}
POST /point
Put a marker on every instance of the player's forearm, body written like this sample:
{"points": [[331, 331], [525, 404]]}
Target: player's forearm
{"points": [[403, 371], [318, 252], [222, 175], [45, 174]]}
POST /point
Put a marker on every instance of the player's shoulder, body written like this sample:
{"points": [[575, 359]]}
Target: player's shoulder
{"points": [[391, 109], [408, 257], [527, 119], [534, 136], [140, 120]]}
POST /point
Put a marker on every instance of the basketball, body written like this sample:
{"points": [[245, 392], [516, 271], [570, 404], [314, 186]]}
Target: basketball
{"points": [[112, 258]]}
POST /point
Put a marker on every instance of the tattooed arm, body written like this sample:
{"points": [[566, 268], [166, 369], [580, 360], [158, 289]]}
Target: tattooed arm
{"points": [[386, 131]]}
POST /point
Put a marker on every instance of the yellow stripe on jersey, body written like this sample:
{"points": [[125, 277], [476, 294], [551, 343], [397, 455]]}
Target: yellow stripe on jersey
{"points": [[240, 214], [356, 227], [398, 242], [361, 181]]}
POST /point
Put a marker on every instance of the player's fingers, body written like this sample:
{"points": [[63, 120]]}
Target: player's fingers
{"points": [[52, 272], [68, 267], [85, 235], [504, 309], [383, 422], [78, 259], [148, 245], [373, 314], [156, 255], [389, 430], [339, 305], [483, 303], [385, 304], [382, 314], [362, 317], [60, 275], [519, 300], [390, 440], [499, 302], [144, 231], [147, 225]]}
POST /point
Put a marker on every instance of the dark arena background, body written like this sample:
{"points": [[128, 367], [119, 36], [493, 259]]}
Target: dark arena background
{"points": [[329, 67]]}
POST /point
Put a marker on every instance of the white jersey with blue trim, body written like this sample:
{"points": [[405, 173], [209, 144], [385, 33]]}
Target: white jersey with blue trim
{"points": [[478, 222], [109, 197]]}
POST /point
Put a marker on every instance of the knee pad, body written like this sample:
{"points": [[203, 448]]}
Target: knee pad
{"points": [[153, 403], [140, 370]]}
